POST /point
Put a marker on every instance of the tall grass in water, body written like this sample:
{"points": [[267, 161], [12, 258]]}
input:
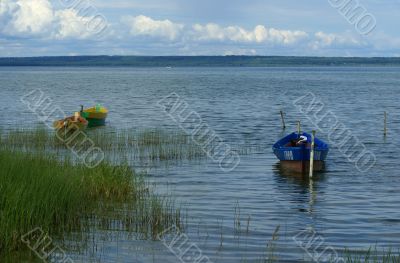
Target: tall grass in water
{"points": [[372, 255], [40, 191], [148, 145]]}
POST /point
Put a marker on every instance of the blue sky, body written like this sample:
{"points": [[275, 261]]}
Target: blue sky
{"points": [[188, 27]]}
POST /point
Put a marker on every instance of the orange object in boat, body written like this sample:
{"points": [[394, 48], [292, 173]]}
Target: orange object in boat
{"points": [[71, 123]]}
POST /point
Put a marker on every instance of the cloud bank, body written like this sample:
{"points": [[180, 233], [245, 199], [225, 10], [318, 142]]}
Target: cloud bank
{"points": [[37, 23], [260, 34], [212, 33]]}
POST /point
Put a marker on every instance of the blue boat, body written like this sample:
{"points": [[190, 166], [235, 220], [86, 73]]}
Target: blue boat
{"points": [[293, 151]]}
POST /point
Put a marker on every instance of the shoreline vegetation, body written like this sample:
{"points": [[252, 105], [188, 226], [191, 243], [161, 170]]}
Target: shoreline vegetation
{"points": [[134, 146], [41, 185], [196, 61], [40, 191]]}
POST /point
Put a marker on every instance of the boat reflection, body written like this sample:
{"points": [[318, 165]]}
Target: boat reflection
{"points": [[288, 169], [299, 186]]}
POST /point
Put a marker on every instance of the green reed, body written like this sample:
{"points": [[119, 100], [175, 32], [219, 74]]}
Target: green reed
{"points": [[372, 255], [150, 145], [38, 190], [145, 145]]}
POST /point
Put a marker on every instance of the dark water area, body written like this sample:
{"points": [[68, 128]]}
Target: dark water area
{"points": [[345, 207]]}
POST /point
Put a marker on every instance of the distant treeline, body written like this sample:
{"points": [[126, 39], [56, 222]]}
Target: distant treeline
{"points": [[197, 61]]}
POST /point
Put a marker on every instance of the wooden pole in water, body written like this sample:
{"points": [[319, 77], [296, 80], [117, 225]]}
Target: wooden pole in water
{"points": [[283, 121], [312, 153], [298, 128], [385, 124]]}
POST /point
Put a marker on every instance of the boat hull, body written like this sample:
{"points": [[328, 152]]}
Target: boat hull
{"points": [[93, 122], [302, 166], [299, 154], [96, 117], [296, 157]]}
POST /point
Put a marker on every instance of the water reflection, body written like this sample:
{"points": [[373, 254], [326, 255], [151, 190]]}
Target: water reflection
{"points": [[298, 186]]}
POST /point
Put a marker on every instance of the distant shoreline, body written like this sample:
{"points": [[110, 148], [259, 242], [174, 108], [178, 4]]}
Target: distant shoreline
{"points": [[195, 61]]}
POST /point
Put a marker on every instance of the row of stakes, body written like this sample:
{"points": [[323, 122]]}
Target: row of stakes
{"points": [[313, 138], [384, 122]]}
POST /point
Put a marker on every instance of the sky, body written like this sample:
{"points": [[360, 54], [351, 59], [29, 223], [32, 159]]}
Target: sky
{"points": [[205, 27]]}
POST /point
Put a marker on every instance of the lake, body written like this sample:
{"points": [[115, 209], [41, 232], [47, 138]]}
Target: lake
{"points": [[256, 209]]}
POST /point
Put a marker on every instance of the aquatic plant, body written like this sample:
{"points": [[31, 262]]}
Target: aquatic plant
{"points": [[372, 255], [135, 146], [38, 190]]}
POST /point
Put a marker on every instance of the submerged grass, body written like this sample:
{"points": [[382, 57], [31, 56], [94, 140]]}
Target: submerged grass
{"points": [[37, 190]]}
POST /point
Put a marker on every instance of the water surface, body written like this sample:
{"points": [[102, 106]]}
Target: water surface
{"points": [[347, 208]]}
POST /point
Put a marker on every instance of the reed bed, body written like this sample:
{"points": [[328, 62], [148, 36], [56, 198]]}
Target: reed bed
{"points": [[41, 185], [39, 190], [148, 145], [143, 145]]}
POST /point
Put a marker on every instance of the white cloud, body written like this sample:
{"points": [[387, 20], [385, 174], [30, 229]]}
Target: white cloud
{"points": [[286, 36], [323, 40], [26, 17], [72, 25], [209, 32], [37, 18], [146, 26], [260, 34]]}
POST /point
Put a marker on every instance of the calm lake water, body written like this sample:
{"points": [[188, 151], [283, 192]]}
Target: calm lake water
{"points": [[346, 208]]}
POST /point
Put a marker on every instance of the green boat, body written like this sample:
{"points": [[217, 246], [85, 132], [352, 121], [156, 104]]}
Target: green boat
{"points": [[96, 116]]}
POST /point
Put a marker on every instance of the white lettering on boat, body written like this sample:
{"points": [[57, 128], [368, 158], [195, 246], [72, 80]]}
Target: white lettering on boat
{"points": [[288, 155]]}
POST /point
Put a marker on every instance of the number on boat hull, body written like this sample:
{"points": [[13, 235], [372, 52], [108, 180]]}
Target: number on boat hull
{"points": [[288, 155]]}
